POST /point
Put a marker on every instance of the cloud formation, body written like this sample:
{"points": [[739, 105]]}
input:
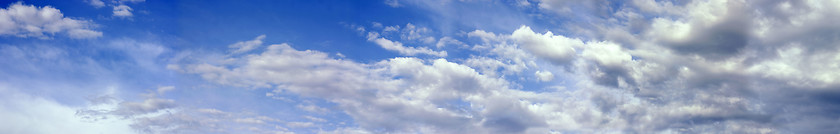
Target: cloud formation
{"points": [[122, 11], [245, 46], [641, 66], [700, 66], [42, 22], [410, 33]]}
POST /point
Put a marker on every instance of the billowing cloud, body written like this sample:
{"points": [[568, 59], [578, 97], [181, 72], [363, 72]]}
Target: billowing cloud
{"points": [[433, 96], [693, 67], [42, 22], [555, 48], [643, 66]]}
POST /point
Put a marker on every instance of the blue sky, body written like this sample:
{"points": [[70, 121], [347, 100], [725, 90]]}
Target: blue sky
{"points": [[419, 66]]}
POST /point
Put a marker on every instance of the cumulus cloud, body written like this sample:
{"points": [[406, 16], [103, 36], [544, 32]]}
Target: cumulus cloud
{"points": [[721, 63], [544, 76], [660, 67], [42, 22], [555, 48], [430, 95]]}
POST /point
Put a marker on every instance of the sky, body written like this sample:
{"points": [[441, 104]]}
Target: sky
{"points": [[419, 66]]}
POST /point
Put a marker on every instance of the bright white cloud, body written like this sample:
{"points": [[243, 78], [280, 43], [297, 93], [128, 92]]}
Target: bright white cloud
{"points": [[42, 22], [555, 48], [606, 54], [544, 76], [122, 11], [399, 47]]}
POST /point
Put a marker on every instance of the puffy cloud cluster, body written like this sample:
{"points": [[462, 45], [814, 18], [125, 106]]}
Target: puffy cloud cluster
{"points": [[394, 95], [690, 67], [42, 22]]}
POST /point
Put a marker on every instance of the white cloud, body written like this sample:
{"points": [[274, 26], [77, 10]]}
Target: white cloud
{"points": [[96, 3], [399, 47], [800, 69], [544, 76], [315, 119], [160, 115], [606, 54], [414, 33], [312, 108], [42, 22], [555, 48], [439, 96], [40, 108], [245, 46], [673, 71], [300, 124], [249, 121], [501, 53], [449, 41], [164, 89], [26, 114], [410, 34], [440, 83], [149, 105], [122, 11]]}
